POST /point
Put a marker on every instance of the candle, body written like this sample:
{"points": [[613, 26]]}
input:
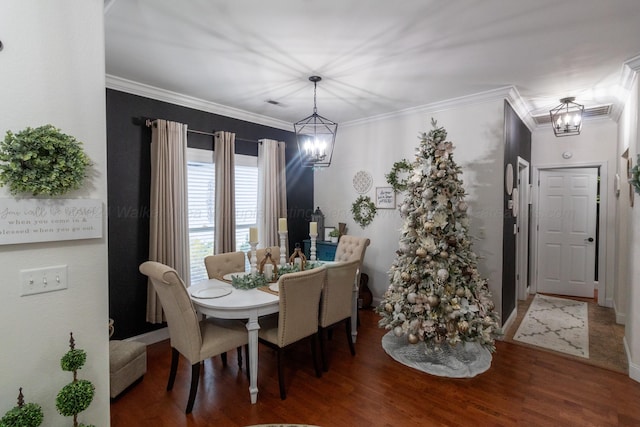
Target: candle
{"points": [[268, 271], [313, 228], [282, 225], [253, 234]]}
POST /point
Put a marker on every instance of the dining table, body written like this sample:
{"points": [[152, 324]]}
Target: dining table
{"points": [[218, 298]]}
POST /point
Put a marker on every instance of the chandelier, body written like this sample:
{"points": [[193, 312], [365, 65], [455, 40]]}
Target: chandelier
{"points": [[566, 118], [316, 136]]}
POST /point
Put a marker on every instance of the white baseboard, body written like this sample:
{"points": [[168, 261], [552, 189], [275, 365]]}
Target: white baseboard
{"points": [[151, 337], [621, 317], [510, 321], [634, 370]]}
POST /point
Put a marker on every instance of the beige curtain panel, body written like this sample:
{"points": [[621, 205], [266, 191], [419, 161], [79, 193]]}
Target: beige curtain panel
{"points": [[224, 155], [272, 190], [168, 231]]}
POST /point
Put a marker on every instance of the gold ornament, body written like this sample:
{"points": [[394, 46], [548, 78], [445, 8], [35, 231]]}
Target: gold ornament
{"points": [[413, 338], [460, 292], [463, 326], [421, 252], [388, 308], [433, 300], [405, 276], [444, 254]]}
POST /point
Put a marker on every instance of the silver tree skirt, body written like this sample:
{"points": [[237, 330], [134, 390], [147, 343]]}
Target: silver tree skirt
{"points": [[464, 360]]}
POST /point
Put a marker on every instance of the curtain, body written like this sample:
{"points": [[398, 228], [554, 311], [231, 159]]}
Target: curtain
{"points": [[168, 230], [272, 190], [225, 237]]}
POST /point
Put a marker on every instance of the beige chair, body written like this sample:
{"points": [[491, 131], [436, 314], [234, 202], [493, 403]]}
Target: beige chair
{"points": [[221, 264], [351, 248], [275, 254], [195, 340], [336, 303], [298, 316]]}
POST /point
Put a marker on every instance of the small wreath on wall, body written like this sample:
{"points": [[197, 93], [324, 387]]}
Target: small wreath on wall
{"points": [[392, 177], [634, 176], [363, 210], [42, 161]]}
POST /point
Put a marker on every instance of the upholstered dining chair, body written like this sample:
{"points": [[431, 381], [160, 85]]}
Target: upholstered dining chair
{"points": [[217, 266], [297, 319], [336, 303], [194, 339], [351, 248], [275, 254], [225, 263]]}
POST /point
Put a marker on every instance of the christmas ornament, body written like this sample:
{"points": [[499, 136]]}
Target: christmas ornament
{"points": [[413, 339]]}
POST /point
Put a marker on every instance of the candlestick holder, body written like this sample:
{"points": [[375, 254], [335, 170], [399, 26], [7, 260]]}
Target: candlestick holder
{"points": [[312, 250], [283, 247], [254, 257]]}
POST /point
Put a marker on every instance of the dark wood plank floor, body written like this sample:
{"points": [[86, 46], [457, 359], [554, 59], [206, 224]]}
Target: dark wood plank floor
{"points": [[524, 387]]}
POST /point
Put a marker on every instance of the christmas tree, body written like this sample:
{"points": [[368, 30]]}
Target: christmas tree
{"points": [[436, 294]]}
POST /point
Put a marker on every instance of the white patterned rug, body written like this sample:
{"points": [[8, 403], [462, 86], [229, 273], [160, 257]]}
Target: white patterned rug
{"points": [[558, 324]]}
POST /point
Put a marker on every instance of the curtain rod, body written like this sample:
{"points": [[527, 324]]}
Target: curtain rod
{"points": [[149, 122]]}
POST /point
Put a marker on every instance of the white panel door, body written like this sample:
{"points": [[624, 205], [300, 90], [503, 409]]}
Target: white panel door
{"points": [[567, 231]]}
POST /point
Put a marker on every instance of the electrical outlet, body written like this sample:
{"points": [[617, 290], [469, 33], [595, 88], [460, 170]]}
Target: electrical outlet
{"points": [[46, 279]]}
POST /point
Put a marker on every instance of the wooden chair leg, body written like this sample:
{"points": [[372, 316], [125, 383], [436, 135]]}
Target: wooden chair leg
{"points": [[352, 348], [323, 349], [283, 393], [223, 356], [246, 353], [175, 356], [239, 349], [314, 356], [195, 378]]}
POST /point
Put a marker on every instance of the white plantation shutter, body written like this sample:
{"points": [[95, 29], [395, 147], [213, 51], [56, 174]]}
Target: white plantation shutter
{"points": [[201, 200]]}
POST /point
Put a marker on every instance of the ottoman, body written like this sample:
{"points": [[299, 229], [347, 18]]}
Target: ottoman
{"points": [[127, 363]]}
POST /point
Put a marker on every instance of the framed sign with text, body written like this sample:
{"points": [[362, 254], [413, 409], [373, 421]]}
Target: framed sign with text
{"points": [[47, 220], [385, 198]]}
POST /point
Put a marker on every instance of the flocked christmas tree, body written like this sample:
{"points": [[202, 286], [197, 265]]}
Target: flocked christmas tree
{"points": [[436, 294]]}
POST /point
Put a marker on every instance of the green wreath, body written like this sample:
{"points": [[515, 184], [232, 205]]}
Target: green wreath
{"points": [[42, 161], [363, 211], [635, 176], [392, 177]]}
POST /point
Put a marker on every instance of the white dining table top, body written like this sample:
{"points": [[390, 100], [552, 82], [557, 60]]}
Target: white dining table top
{"points": [[236, 300]]}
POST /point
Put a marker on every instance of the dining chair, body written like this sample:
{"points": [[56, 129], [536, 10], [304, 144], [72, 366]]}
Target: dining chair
{"points": [[336, 303], [220, 264], [217, 266], [351, 248], [297, 318], [275, 254], [194, 339]]}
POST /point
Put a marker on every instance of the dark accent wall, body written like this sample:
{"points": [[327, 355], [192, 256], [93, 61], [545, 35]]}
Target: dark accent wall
{"points": [[128, 178], [517, 143]]}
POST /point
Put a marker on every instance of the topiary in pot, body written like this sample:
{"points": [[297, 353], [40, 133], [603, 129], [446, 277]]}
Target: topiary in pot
{"points": [[23, 415], [76, 396], [42, 161]]}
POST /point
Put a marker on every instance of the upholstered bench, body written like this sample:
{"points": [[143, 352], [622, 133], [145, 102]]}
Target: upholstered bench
{"points": [[127, 363]]}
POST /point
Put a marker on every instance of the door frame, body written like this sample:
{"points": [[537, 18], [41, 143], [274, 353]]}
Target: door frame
{"points": [[522, 237], [602, 223]]}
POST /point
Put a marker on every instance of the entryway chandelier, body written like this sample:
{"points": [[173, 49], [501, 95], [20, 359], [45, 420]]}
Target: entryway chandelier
{"points": [[566, 118], [316, 136]]}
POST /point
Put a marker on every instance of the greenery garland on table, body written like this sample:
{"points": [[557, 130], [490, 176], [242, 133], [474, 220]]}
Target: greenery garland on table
{"points": [[392, 177], [635, 176], [42, 161], [251, 281], [363, 211]]}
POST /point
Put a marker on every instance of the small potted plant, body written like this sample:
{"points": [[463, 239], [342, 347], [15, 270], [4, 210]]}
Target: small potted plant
{"points": [[335, 235]]}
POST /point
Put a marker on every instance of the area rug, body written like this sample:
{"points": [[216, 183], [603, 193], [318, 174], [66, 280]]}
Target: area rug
{"points": [[464, 360], [557, 324]]}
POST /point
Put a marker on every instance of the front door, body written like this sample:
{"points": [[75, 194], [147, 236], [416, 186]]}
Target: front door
{"points": [[567, 231]]}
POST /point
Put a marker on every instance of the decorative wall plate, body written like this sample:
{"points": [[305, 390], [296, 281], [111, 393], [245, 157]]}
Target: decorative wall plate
{"points": [[508, 178], [362, 181]]}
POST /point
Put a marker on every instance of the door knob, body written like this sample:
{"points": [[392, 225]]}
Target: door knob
{"points": [[590, 240]]}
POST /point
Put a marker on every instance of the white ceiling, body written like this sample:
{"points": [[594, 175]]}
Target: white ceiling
{"points": [[375, 57]]}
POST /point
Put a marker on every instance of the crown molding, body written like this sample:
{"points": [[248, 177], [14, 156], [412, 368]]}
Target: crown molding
{"points": [[629, 73], [147, 91], [508, 92]]}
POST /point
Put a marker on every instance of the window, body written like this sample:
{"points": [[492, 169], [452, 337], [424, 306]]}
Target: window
{"points": [[201, 199]]}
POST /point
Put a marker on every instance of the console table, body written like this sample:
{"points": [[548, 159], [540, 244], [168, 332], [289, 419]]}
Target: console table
{"points": [[325, 251]]}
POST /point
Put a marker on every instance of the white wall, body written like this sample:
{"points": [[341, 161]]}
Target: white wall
{"points": [[52, 71], [595, 144], [477, 132]]}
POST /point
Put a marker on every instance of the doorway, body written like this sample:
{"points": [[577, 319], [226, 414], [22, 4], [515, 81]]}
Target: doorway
{"points": [[567, 231]]}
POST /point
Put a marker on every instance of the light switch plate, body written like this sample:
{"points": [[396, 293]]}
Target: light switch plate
{"points": [[45, 279]]}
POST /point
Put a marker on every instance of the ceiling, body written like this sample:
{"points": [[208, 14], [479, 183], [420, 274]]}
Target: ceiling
{"points": [[375, 57]]}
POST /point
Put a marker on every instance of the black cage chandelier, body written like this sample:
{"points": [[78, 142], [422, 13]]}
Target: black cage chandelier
{"points": [[566, 118], [316, 136]]}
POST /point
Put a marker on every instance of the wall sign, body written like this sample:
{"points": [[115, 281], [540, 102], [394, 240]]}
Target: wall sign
{"points": [[46, 220], [385, 198]]}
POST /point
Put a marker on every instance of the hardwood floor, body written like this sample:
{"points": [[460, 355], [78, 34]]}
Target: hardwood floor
{"points": [[524, 387]]}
